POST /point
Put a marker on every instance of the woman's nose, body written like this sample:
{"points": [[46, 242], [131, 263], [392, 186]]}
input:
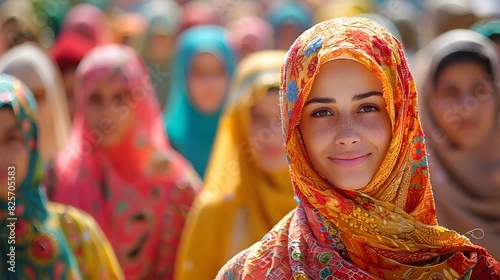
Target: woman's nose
{"points": [[346, 132]]}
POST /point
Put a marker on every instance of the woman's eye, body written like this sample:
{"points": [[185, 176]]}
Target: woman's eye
{"points": [[483, 91], [321, 113], [14, 138], [368, 109], [449, 93], [95, 99]]}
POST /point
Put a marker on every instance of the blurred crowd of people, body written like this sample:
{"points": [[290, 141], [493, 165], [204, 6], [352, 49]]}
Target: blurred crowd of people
{"points": [[146, 134]]}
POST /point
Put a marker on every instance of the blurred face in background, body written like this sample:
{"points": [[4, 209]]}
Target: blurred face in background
{"points": [[207, 83], [463, 104], [286, 35], [13, 151], [109, 109], [161, 47], [265, 134]]}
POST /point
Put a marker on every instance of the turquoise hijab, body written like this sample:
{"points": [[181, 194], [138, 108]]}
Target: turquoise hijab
{"points": [[487, 27], [282, 12], [191, 132]]}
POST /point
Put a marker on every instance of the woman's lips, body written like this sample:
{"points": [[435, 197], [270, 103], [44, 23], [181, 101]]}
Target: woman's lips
{"points": [[467, 124], [349, 161]]}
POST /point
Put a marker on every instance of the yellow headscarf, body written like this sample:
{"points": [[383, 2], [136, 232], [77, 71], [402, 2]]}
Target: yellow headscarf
{"points": [[387, 229], [241, 201]]}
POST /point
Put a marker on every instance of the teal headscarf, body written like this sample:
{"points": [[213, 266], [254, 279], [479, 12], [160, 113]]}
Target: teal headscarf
{"points": [[191, 132], [487, 27], [289, 12], [30, 203]]}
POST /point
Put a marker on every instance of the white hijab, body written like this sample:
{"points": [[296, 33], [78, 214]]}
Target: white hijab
{"points": [[36, 69]]}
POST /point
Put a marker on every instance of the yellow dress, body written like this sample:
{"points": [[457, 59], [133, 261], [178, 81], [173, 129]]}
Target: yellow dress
{"points": [[240, 201]]}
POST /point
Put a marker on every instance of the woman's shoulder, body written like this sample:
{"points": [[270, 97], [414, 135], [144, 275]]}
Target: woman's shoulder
{"points": [[68, 215], [86, 240], [234, 268], [257, 260]]}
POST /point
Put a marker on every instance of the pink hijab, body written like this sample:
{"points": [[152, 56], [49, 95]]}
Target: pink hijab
{"points": [[138, 190]]}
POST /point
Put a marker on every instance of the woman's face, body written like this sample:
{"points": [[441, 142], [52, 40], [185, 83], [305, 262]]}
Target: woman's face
{"points": [[345, 125], [13, 152], [463, 104], [207, 83], [286, 35], [109, 110], [160, 47], [265, 132]]}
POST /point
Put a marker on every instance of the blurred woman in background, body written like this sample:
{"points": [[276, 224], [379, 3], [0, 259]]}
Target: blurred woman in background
{"points": [[52, 241], [68, 50], [37, 70], [247, 184], [164, 22], [119, 166], [288, 19], [250, 34], [17, 24], [202, 69], [89, 21], [457, 75]]}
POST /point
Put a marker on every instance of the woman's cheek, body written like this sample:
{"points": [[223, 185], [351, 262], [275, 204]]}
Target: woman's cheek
{"points": [[376, 129]]}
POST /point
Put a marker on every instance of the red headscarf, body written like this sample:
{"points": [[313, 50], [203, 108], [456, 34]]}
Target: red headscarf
{"points": [[140, 189]]}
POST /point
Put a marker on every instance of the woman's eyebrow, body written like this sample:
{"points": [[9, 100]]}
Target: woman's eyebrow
{"points": [[366, 95], [12, 129], [322, 100]]}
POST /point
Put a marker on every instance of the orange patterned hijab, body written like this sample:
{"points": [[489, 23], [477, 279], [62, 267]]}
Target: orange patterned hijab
{"points": [[387, 229]]}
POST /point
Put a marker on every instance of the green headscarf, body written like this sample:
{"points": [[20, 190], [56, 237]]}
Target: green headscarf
{"points": [[191, 131]]}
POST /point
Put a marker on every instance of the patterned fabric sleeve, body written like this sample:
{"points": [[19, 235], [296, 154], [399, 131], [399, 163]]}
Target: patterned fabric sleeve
{"points": [[178, 205], [90, 246], [233, 269]]}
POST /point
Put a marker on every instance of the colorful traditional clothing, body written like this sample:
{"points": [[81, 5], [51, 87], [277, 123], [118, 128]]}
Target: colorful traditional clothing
{"points": [[190, 130], [29, 63], [241, 201], [465, 181], [387, 229], [139, 190], [52, 241]]}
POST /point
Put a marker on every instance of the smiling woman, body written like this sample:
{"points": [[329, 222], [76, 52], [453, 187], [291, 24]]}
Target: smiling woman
{"points": [[359, 169]]}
